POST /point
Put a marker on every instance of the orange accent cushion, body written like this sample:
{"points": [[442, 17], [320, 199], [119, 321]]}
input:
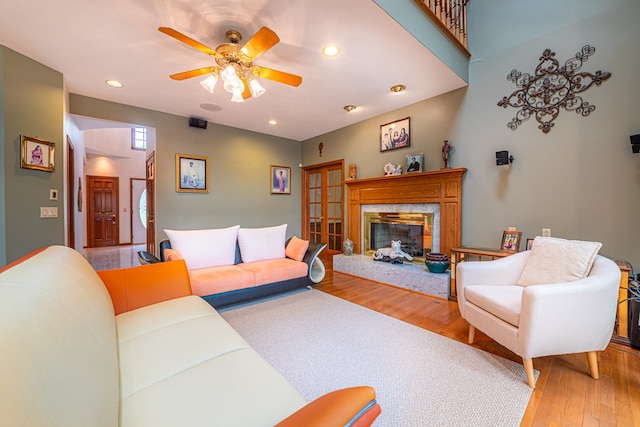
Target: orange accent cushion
{"points": [[136, 287], [172, 255], [296, 248]]}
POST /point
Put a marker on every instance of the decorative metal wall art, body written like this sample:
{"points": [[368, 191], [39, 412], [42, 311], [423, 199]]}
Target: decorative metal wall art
{"points": [[551, 87]]}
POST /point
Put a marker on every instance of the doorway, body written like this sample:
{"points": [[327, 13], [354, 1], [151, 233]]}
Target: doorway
{"points": [[102, 212], [323, 207], [138, 204]]}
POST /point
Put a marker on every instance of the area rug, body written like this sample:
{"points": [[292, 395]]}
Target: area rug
{"points": [[322, 343]]}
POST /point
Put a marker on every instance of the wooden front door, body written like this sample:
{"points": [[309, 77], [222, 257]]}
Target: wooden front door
{"points": [[102, 212], [323, 208]]}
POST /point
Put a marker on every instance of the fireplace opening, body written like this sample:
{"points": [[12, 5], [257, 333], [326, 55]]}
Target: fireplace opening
{"points": [[411, 228]]}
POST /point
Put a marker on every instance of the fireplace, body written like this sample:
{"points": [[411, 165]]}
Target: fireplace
{"points": [[441, 188], [413, 229]]}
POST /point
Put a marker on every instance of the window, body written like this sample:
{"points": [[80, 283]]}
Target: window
{"points": [[139, 138], [143, 208]]}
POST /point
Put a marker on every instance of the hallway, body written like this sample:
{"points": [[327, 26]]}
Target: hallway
{"points": [[110, 257]]}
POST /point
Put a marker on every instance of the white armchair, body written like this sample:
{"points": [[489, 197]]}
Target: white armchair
{"points": [[540, 319]]}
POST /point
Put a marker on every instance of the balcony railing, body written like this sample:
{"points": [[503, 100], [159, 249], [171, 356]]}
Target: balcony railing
{"points": [[451, 17]]}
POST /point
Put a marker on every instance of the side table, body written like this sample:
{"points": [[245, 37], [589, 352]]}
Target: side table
{"points": [[462, 253]]}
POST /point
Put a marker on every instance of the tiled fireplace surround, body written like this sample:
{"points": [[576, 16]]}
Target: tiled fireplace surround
{"points": [[436, 191]]}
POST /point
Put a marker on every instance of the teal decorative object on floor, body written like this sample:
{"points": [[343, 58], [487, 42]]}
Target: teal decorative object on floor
{"points": [[437, 262]]}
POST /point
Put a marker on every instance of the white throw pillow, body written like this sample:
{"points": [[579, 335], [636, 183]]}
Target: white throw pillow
{"points": [[554, 260], [205, 248], [258, 244]]}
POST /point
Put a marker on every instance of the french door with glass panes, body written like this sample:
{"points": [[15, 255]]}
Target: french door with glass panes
{"points": [[322, 213]]}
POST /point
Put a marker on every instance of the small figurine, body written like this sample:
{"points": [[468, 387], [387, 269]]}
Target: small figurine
{"points": [[394, 254], [446, 148], [352, 171]]}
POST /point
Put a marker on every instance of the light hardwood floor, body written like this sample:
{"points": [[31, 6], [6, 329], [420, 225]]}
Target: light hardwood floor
{"points": [[565, 394]]}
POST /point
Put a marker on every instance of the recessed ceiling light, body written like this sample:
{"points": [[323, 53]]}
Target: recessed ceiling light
{"points": [[114, 83], [273, 122], [350, 108], [211, 107], [331, 50], [398, 88]]}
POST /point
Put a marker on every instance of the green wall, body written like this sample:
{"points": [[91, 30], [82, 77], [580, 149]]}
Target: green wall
{"points": [[239, 167], [32, 104], [581, 179]]}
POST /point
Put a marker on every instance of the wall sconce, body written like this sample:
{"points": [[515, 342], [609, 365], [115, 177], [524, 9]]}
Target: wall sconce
{"points": [[635, 143], [503, 158]]}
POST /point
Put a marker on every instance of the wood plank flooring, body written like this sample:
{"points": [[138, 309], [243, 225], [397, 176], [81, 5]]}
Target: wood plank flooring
{"points": [[565, 394]]}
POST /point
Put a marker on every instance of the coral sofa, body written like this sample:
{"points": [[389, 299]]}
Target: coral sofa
{"points": [[132, 347], [234, 264]]}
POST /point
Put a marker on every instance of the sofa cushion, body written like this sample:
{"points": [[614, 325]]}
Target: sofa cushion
{"points": [[502, 301], [296, 248], [275, 270], [214, 280], [182, 364], [205, 248], [258, 244], [554, 260]]}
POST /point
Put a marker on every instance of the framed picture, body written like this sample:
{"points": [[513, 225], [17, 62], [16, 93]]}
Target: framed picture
{"points": [[37, 154], [395, 134], [510, 241], [529, 244], [415, 162], [280, 180], [192, 173]]}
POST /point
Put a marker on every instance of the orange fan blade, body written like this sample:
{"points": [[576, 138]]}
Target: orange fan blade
{"points": [[247, 92], [188, 40], [192, 73], [261, 41], [278, 76]]}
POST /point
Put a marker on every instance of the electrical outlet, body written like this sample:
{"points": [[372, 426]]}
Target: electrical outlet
{"points": [[546, 232]]}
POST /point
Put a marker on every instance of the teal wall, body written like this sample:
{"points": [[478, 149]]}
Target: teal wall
{"points": [[31, 101], [581, 179], [239, 167]]}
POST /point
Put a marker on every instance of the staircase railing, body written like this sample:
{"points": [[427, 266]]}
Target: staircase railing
{"points": [[451, 17]]}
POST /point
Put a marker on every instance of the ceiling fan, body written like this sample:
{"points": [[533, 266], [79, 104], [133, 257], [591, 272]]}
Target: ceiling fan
{"points": [[235, 63]]}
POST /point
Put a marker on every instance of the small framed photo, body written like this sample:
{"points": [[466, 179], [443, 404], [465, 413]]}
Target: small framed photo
{"points": [[510, 241], [529, 244], [395, 134], [280, 180], [37, 154], [415, 162], [192, 173]]}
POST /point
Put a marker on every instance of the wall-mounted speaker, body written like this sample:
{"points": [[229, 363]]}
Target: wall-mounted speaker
{"points": [[197, 123], [503, 158], [635, 143]]}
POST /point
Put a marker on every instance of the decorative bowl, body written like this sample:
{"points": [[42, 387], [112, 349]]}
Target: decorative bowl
{"points": [[437, 262]]}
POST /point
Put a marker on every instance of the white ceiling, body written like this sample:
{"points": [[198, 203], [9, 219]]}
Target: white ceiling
{"points": [[90, 41]]}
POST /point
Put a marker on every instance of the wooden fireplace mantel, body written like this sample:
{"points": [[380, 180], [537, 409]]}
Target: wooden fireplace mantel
{"points": [[443, 186]]}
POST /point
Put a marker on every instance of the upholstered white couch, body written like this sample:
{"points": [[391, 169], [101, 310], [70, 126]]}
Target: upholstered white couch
{"points": [[233, 264], [133, 347]]}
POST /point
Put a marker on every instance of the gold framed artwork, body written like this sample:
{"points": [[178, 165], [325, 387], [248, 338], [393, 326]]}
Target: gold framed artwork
{"points": [[280, 180], [510, 241], [37, 154], [192, 173]]}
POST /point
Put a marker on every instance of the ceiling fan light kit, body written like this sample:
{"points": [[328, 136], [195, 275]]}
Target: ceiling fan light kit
{"points": [[235, 64]]}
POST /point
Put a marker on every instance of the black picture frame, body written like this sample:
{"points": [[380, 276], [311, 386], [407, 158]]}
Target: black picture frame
{"points": [[396, 134]]}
